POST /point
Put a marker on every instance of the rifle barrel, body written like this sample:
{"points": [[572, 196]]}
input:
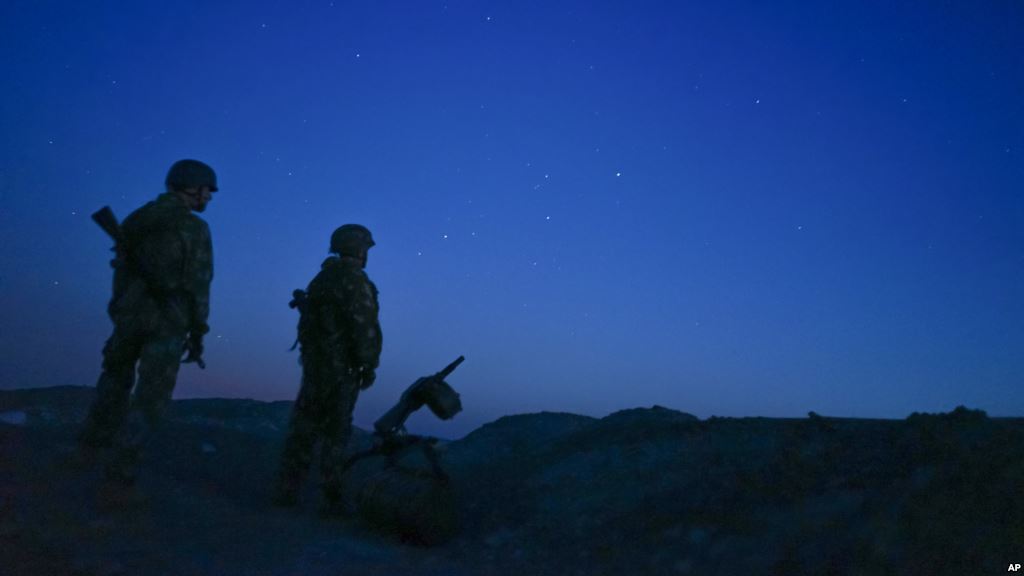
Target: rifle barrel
{"points": [[450, 368]]}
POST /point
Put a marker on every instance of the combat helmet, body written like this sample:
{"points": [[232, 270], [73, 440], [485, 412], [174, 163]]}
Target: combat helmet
{"points": [[351, 240], [191, 174]]}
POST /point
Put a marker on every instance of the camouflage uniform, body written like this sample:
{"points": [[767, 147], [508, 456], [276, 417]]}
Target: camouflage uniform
{"points": [[340, 341], [161, 296]]}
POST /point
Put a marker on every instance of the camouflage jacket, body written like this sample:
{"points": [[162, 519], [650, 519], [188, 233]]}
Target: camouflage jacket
{"points": [[163, 280], [340, 323]]}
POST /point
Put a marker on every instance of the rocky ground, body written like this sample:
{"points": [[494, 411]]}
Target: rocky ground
{"points": [[642, 491]]}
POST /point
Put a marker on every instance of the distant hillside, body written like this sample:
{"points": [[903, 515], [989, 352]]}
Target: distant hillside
{"points": [[642, 491], [67, 405]]}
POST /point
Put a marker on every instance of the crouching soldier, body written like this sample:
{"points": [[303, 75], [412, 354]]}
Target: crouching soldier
{"points": [[340, 342]]}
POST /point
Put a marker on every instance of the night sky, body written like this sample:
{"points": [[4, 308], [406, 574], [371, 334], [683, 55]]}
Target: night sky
{"points": [[726, 208]]}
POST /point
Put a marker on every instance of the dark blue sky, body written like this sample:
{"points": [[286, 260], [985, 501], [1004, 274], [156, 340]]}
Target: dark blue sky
{"points": [[727, 208]]}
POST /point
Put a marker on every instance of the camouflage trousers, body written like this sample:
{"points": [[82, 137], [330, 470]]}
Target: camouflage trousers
{"points": [[123, 420], [323, 411]]}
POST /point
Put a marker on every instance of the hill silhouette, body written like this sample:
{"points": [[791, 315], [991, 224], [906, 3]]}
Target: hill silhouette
{"points": [[641, 491]]}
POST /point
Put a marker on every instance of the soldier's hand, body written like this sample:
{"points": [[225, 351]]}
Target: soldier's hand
{"points": [[366, 378], [194, 350]]}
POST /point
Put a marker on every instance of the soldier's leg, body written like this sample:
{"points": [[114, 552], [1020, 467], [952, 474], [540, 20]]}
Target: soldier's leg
{"points": [[298, 446], [113, 390], [158, 371], [338, 430]]}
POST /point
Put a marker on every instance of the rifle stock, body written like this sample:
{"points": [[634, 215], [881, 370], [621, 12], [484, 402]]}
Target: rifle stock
{"points": [[108, 222]]}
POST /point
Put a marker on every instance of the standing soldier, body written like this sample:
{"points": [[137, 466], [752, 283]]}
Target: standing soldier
{"points": [[160, 304], [340, 342]]}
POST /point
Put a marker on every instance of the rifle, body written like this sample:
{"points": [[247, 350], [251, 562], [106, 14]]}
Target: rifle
{"points": [[391, 438], [109, 223], [433, 391], [394, 493]]}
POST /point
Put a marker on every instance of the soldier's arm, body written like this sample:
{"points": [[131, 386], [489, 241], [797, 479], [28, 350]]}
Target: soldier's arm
{"points": [[362, 311], [198, 274]]}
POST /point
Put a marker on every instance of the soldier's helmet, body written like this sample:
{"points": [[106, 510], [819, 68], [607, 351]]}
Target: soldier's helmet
{"points": [[351, 240], [190, 174]]}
